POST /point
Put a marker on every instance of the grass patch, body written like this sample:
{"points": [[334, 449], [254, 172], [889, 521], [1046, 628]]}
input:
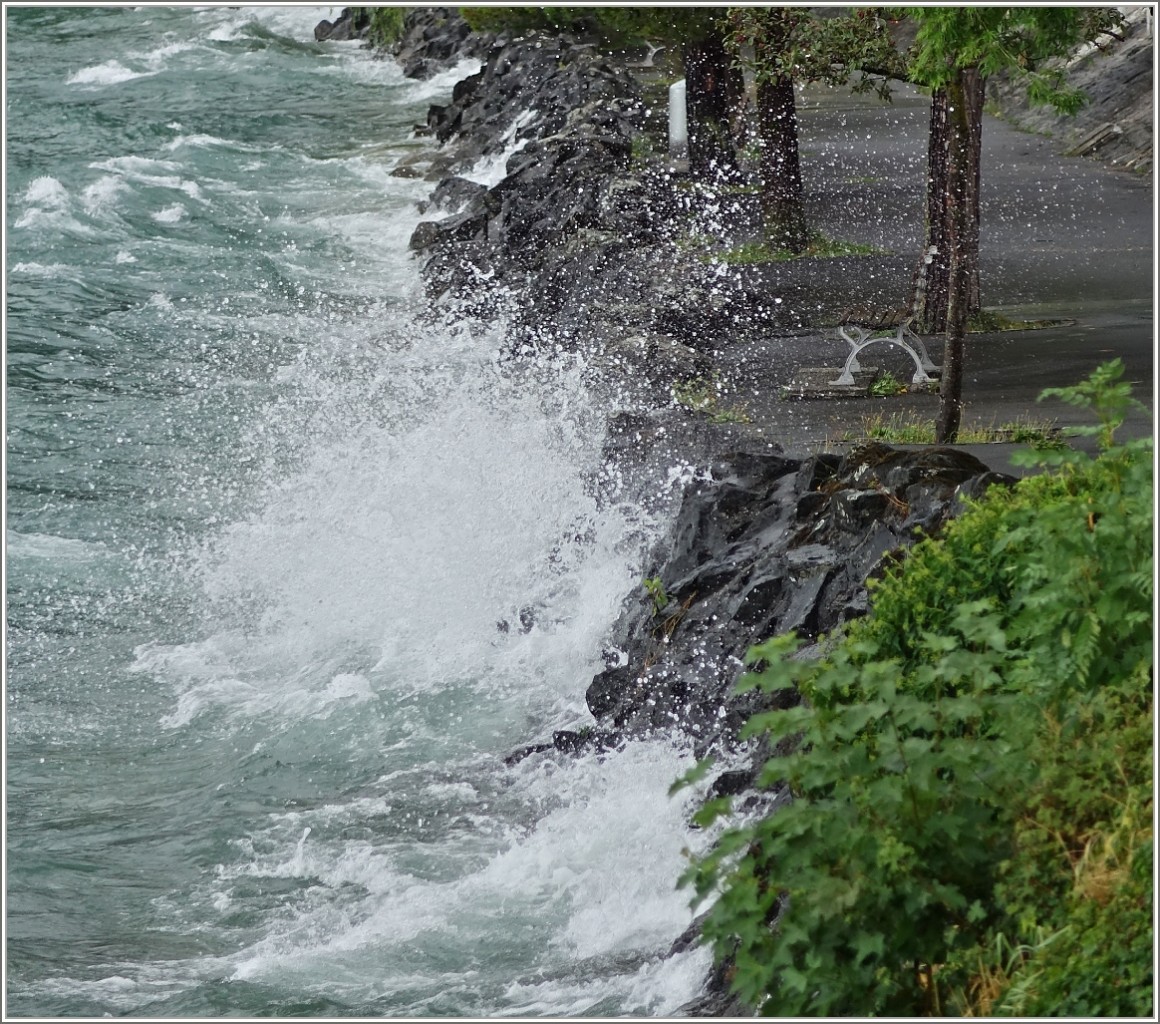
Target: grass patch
{"points": [[908, 428], [987, 321], [704, 397], [820, 247], [886, 384]]}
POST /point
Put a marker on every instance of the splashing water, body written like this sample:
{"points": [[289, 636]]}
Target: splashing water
{"points": [[292, 570]]}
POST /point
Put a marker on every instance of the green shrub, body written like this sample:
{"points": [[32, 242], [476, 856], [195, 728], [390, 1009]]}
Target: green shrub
{"points": [[384, 24], [971, 769]]}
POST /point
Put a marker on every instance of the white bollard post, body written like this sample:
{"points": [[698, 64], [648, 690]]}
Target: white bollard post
{"points": [[678, 123]]}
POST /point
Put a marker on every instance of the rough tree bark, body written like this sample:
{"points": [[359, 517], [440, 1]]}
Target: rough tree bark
{"points": [[782, 199], [932, 276], [964, 134], [709, 91]]}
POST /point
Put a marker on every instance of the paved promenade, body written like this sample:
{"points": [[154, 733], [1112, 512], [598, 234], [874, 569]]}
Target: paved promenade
{"points": [[1061, 239]]}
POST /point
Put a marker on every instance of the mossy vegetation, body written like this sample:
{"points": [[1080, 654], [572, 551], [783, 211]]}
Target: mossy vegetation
{"points": [[971, 769], [704, 396], [385, 23], [910, 428], [988, 321], [886, 384], [755, 252]]}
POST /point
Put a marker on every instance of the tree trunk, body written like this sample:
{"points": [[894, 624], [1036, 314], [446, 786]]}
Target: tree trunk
{"points": [[974, 86], [932, 277], [709, 88], [782, 201], [929, 304], [964, 124]]}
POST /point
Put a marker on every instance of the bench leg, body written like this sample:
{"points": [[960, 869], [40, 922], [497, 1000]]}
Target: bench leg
{"points": [[924, 357], [855, 346]]}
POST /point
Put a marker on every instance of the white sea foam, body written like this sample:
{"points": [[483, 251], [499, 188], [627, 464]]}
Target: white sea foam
{"points": [[555, 893], [440, 84], [102, 193], [134, 166], [111, 72], [157, 58], [295, 21], [49, 208], [47, 193], [491, 170], [206, 672], [372, 72], [151, 173], [33, 269], [203, 141], [51, 547], [170, 214]]}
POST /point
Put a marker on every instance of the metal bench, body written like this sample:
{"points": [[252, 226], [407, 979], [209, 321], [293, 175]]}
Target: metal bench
{"points": [[861, 328]]}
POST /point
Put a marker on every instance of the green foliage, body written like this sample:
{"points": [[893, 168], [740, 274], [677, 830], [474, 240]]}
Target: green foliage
{"points": [[525, 19], [886, 384], [1109, 397], [794, 42], [971, 770], [386, 23], [908, 428], [616, 25], [704, 396], [655, 588], [747, 253], [988, 321], [1013, 39]]}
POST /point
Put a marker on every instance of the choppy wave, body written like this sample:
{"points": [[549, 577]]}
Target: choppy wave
{"points": [[51, 547], [576, 863], [339, 559], [111, 72], [49, 205]]}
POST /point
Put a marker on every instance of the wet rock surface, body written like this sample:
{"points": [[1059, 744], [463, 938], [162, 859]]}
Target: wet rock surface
{"points": [[434, 39], [764, 544], [574, 240]]}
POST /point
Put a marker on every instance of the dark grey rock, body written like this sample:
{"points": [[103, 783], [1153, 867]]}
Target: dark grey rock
{"points": [[766, 545], [434, 39]]}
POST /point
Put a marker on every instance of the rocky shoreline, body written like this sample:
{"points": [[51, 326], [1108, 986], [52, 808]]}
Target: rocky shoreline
{"points": [[574, 244], [577, 242]]}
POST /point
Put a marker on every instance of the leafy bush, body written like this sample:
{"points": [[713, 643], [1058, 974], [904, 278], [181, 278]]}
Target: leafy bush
{"points": [[384, 24], [971, 769]]}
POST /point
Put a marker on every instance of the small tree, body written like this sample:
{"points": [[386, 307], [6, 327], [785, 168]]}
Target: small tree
{"points": [[955, 51], [784, 45]]}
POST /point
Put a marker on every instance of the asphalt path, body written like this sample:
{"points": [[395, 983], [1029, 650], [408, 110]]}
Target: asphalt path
{"points": [[1061, 238]]}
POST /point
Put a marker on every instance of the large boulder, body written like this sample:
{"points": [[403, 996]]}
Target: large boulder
{"points": [[762, 546]]}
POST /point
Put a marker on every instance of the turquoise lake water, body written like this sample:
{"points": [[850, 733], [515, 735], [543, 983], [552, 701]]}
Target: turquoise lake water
{"points": [[262, 520]]}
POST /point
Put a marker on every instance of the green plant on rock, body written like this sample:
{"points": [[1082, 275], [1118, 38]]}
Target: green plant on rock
{"points": [[385, 23], [655, 589], [971, 769], [704, 396]]}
